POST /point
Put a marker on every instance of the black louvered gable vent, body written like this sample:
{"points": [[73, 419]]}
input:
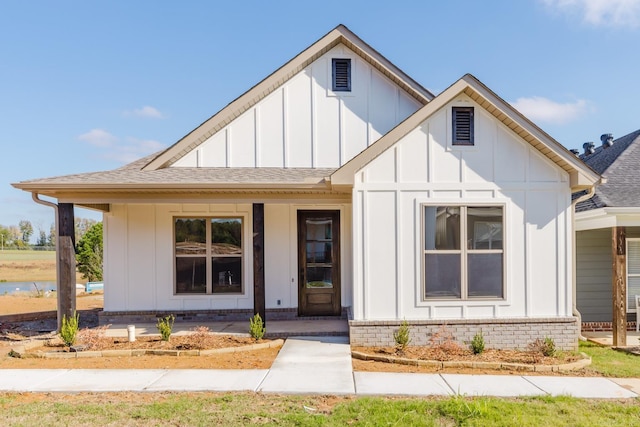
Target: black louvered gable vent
{"points": [[462, 126], [341, 74]]}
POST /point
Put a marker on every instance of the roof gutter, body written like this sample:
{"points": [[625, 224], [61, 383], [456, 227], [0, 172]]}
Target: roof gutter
{"points": [[36, 198], [574, 288]]}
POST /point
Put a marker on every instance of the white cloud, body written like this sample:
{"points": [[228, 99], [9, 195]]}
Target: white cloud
{"points": [[133, 149], [124, 150], [613, 13], [146, 112], [543, 110], [98, 138]]}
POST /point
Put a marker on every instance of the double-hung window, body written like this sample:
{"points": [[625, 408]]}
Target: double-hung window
{"points": [[463, 254], [208, 255]]}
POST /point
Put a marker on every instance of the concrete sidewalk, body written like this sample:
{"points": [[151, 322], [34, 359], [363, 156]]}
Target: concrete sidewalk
{"points": [[308, 365]]}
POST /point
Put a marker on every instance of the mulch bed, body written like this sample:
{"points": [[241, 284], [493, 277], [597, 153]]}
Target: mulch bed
{"points": [[463, 354]]}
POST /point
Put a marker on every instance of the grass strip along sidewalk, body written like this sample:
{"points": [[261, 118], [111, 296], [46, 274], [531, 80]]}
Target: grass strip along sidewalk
{"points": [[238, 409]]}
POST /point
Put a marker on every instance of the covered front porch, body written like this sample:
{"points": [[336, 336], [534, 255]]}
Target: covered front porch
{"points": [[608, 274]]}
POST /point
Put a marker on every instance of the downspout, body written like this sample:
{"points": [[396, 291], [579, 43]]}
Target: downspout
{"points": [[36, 198], [574, 268]]}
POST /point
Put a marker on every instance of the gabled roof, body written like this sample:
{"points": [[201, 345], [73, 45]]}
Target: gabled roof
{"points": [[581, 176], [619, 165], [338, 35]]}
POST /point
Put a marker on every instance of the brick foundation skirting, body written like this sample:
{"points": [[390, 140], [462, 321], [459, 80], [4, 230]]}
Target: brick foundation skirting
{"points": [[604, 326], [516, 333], [195, 316]]}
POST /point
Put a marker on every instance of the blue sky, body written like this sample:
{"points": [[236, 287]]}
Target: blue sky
{"points": [[87, 86]]}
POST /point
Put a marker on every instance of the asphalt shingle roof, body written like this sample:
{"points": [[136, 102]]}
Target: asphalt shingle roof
{"points": [[132, 174], [620, 165]]}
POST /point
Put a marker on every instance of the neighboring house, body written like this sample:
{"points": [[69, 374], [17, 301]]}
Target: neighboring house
{"points": [[338, 186], [614, 209]]}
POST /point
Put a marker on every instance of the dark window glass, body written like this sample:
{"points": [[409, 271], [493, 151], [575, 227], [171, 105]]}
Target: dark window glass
{"points": [[226, 236], [485, 275], [484, 227], [227, 274], [191, 236], [442, 275], [442, 228], [191, 275]]}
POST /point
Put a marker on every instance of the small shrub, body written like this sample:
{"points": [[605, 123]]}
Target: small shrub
{"points": [[545, 347], [402, 336], [549, 348], [165, 326], [256, 327], [444, 344], [69, 329], [477, 343]]}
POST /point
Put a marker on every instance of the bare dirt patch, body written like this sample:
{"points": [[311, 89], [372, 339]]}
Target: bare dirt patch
{"points": [[199, 340], [30, 303], [256, 359], [42, 270]]}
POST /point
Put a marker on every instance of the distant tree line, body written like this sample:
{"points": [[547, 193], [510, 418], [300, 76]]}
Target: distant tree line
{"points": [[20, 236], [89, 246]]}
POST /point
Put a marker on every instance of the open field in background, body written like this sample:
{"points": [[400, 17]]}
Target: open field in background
{"points": [[26, 266], [15, 255]]}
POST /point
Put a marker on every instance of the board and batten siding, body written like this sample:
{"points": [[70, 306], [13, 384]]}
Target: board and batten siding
{"points": [[139, 256], [593, 275], [304, 124], [424, 168]]}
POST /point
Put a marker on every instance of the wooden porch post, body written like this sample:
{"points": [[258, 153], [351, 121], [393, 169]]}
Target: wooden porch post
{"points": [[619, 283], [66, 286], [258, 261]]}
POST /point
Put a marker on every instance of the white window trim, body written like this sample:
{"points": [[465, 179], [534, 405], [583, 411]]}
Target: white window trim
{"points": [[631, 308], [209, 256], [463, 250]]}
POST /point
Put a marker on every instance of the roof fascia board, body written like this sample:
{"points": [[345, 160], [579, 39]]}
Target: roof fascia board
{"points": [[581, 175], [340, 34], [92, 199], [43, 188], [531, 128], [608, 217]]}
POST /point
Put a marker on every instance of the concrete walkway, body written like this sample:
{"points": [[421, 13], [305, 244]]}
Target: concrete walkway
{"points": [[306, 365]]}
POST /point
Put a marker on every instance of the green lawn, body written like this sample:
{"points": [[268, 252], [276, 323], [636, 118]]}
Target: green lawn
{"points": [[239, 409], [15, 255], [611, 363]]}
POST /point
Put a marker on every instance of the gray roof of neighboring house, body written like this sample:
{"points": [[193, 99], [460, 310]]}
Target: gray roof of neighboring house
{"points": [[620, 165]]}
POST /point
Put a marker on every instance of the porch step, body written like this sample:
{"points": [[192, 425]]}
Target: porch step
{"points": [[307, 327]]}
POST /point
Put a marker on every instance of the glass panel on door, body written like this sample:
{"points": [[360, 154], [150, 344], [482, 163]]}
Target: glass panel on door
{"points": [[319, 253]]}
